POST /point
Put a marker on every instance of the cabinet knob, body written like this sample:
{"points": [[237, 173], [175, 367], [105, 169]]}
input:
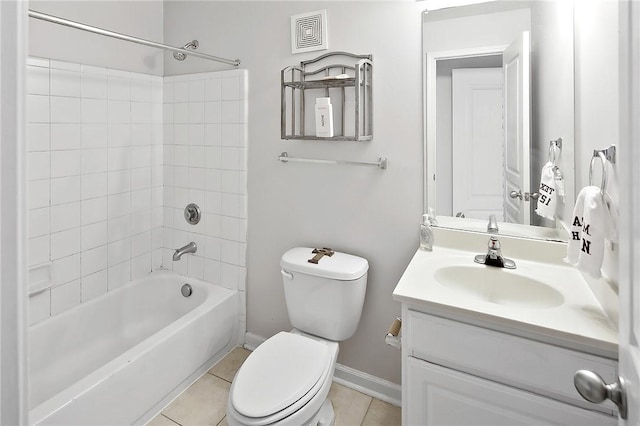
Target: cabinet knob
{"points": [[592, 387]]}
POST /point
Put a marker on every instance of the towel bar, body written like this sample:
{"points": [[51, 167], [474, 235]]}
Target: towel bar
{"points": [[381, 163], [605, 155]]}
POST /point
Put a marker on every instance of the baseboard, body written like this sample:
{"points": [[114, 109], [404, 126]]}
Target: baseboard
{"points": [[346, 376]]}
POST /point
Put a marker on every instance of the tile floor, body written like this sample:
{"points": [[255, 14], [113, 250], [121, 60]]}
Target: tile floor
{"points": [[205, 401]]}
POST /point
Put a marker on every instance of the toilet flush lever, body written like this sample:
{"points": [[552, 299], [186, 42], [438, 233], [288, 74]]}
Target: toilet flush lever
{"points": [[286, 274], [320, 253]]}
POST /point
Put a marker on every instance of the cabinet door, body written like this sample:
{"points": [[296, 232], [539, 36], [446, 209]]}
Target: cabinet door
{"points": [[437, 396]]}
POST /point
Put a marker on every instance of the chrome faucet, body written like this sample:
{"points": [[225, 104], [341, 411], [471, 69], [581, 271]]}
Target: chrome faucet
{"points": [[494, 256], [492, 226], [189, 248]]}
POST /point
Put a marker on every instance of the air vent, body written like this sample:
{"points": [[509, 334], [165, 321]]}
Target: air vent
{"points": [[309, 32]]}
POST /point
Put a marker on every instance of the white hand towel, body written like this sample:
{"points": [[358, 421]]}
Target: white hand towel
{"points": [[575, 238], [586, 247], [547, 199]]}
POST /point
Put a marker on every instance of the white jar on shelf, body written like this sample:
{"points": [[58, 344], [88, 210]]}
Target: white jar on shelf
{"points": [[324, 118]]}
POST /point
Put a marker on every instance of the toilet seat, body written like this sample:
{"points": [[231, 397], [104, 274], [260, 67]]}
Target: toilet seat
{"points": [[281, 377]]}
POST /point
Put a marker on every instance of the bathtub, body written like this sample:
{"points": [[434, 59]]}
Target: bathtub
{"points": [[118, 359]]}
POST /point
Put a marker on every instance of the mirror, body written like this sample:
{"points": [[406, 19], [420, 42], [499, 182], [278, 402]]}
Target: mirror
{"points": [[498, 89]]}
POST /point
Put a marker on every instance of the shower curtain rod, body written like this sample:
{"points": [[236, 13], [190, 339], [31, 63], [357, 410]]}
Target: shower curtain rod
{"points": [[96, 30]]}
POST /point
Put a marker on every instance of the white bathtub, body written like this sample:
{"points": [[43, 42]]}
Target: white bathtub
{"points": [[120, 358]]}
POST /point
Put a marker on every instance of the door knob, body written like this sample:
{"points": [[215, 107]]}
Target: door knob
{"points": [[514, 194], [593, 388]]}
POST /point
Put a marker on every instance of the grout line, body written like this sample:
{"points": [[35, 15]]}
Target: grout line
{"points": [[170, 419], [367, 412]]}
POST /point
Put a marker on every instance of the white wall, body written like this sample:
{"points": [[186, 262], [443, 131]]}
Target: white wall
{"points": [[142, 19], [552, 94], [597, 95], [358, 210]]}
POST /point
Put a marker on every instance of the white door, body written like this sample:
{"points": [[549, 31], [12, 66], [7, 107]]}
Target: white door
{"points": [[515, 62], [477, 138], [629, 230]]}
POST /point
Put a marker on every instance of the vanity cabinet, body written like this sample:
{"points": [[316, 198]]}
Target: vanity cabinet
{"points": [[460, 374]]}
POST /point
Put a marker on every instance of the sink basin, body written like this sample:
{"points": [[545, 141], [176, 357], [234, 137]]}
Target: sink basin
{"points": [[498, 285]]}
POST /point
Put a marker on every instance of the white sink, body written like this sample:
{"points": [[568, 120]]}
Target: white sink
{"points": [[498, 285], [543, 298]]}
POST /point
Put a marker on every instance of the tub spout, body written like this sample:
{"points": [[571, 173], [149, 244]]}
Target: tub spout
{"points": [[189, 248]]}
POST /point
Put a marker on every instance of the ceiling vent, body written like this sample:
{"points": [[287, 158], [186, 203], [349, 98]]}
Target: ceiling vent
{"points": [[309, 32]]}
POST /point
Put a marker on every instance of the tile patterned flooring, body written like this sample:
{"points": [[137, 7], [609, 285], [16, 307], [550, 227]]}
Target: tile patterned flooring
{"points": [[205, 401]]}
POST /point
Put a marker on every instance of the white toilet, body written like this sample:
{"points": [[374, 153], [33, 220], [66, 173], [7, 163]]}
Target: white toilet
{"points": [[286, 380]]}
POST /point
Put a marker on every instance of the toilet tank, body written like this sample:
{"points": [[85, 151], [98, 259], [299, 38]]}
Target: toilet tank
{"points": [[324, 299]]}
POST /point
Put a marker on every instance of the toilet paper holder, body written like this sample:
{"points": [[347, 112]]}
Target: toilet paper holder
{"points": [[393, 334]]}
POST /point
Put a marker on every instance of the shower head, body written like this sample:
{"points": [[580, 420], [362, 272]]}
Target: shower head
{"points": [[192, 45]]}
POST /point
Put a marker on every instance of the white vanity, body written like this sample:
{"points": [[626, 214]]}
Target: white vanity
{"points": [[484, 345]]}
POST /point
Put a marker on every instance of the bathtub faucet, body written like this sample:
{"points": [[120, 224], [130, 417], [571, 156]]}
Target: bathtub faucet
{"points": [[189, 248]]}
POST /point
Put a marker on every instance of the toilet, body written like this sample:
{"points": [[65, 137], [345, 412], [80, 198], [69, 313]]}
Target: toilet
{"points": [[286, 380]]}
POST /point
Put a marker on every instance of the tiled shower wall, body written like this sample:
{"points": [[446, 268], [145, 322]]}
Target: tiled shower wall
{"points": [[100, 145], [95, 181], [205, 146]]}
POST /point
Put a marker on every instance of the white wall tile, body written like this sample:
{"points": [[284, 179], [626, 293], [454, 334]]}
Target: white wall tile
{"points": [[93, 210], [196, 112], [65, 190], [38, 137], [39, 249], [38, 222], [65, 163], [66, 269], [38, 62], [37, 80], [63, 65], [94, 160], [181, 91], [66, 136], [37, 109], [65, 243], [196, 134], [119, 158], [93, 235], [65, 83], [93, 260], [119, 135], [94, 185], [119, 275], [39, 193], [213, 89], [119, 112], [65, 297], [213, 134], [65, 110], [181, 113], [39, 307], [230, 88], [94, 285], [118, 88], [65, 216], [39, 165], [94, 135], [93, 85], [93, 111], [140, 266], [119, 251], [196, 91]]}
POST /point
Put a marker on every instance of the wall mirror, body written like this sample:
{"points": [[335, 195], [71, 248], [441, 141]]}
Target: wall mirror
{"points": [[498, 88]]}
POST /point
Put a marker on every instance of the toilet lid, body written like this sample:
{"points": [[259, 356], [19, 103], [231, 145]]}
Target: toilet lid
{"points": [[278, 373]]}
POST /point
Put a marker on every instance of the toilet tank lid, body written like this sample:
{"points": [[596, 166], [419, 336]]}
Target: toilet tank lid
{"points": [[340, 266]]}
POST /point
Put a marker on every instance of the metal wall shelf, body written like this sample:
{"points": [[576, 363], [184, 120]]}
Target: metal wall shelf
{"points": [[352, 108]]}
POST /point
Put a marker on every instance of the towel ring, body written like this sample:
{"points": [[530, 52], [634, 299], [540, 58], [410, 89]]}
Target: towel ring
{"points": [[603, 160]]}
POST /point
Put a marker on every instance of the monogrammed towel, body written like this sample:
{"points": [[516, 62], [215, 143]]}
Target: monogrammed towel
{"points": [[588, 228], [547, 195]]}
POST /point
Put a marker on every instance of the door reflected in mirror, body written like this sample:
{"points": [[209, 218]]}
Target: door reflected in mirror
{"points": [[498, 89]]}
